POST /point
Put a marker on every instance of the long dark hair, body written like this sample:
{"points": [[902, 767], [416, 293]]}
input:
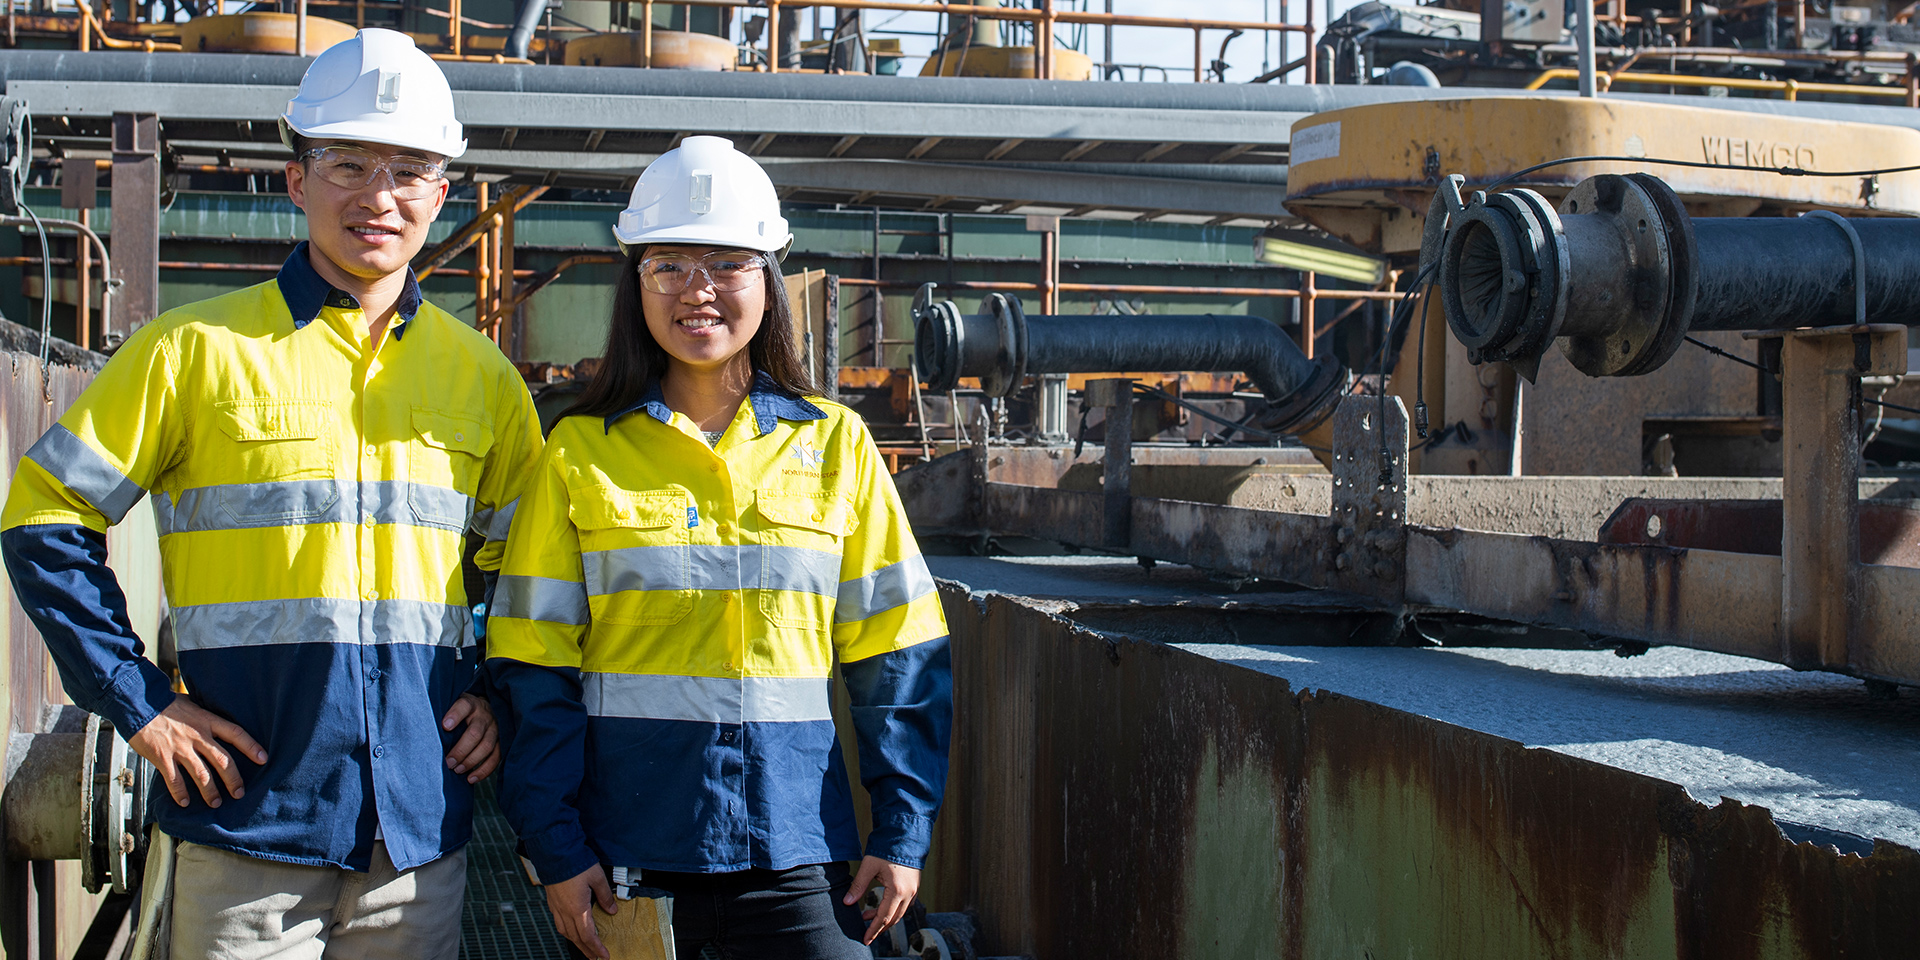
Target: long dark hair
{"points": [[633, 359]]}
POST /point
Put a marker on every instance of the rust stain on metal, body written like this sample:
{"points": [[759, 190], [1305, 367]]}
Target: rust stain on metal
{"points": [[1889, 530], [1118, 798]]}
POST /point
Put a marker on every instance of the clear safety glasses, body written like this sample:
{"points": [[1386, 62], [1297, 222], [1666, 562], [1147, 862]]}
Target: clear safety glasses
{"points": [[407, 178], [729, 271]]}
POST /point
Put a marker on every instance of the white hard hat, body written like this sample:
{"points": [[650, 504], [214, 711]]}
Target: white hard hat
{"points": [[705, 192], [377, 88]]}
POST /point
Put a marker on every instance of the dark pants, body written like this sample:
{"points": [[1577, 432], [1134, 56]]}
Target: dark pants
{"points": [[774, 914]]}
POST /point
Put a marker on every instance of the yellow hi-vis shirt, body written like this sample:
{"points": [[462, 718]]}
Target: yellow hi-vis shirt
{"points": [[663, 632], [313, 493]]}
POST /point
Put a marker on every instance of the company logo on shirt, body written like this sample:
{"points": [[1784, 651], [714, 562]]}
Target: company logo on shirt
{"points": [[808, 454]]}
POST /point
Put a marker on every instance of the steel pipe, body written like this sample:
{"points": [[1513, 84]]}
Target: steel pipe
{"points": [[520, 40], [1003, 346], [78, 793], [1620, 274]]}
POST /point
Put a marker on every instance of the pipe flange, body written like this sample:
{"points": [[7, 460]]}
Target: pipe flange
{"points": [[1683, 254], [939, 337], [1501, 271], [1010, 352], [1645, 223], [1548, 308]]}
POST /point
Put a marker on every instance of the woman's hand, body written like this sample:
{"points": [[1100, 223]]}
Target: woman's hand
{"points": [[477, 753], [572, 901], [898, 886]]}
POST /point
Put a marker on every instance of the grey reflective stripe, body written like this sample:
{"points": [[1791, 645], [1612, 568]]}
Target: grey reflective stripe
{"points": [[286, 503], [888, 587], [706, 699], [253, 623], [162, 513], [712, 567], [495, 524], [540, 598], [85, 472]]}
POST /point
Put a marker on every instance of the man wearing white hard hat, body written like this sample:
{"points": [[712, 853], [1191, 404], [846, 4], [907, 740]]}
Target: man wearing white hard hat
{"points": [[318, 450], [706, 539]]}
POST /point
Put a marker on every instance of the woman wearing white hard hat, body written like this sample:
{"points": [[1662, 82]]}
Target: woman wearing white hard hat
{"points": [[707, 538]]}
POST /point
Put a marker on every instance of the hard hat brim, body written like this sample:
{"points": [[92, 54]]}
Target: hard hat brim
{"points": [[705, 235], [365, 132]]}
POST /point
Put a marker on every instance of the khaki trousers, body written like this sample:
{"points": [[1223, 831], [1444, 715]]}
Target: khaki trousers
{"points": [[229, 906]]}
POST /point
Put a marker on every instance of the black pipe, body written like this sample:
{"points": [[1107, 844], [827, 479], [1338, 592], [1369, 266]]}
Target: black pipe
{"points": [[1209, 342], [1769, 273], [521, 39]]}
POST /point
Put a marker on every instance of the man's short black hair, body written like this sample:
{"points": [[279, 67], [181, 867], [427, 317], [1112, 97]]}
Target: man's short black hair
{"points": [[300, 147]]}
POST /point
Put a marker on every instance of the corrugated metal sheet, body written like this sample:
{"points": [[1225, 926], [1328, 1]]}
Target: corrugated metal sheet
{"points": [[43, 910]]}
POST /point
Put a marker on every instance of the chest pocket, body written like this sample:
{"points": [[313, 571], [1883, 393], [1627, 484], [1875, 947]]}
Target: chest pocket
{"points": [[801, 536], [264, 450], [636, 554], [446, 459]]}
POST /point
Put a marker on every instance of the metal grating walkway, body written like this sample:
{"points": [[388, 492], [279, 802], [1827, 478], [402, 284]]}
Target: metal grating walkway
{"points": [[506, 917]]}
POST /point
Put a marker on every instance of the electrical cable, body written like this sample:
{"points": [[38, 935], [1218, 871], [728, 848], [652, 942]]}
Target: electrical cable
{"points": [[1142, 388], [1890, 406], [1420, 368], [1716, 351], [1785, 171], [46, 301]]}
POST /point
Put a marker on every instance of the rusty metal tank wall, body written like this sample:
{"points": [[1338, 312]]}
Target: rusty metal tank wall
{"points": [[44, 912], [1119, 798]]}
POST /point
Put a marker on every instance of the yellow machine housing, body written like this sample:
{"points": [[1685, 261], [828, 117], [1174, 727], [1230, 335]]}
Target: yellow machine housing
{"points": [[1366, 173], [259, 33], [672, 50], [981, 61]]}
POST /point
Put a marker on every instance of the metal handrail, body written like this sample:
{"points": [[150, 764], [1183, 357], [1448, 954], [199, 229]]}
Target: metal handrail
{"points": [[1791, 89]]}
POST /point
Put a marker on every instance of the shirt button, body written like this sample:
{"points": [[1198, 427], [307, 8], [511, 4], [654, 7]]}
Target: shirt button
{"points": [[368, 521], [370, 450], [371, 595], [379, 751], [459, 438], [727, 597], [713, 467], [726, 736], [373, 674]]}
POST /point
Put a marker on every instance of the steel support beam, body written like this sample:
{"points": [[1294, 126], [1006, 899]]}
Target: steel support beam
{"points": [[1116, 397], [136, 222], [1820, 450]]}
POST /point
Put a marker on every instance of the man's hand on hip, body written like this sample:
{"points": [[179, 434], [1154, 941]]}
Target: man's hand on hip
{"points": [[898, 886], [184, 741], [477, 754]]}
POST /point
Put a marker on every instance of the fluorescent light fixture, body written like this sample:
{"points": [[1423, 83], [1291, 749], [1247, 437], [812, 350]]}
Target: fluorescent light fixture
{"points": [[1320, 256]]}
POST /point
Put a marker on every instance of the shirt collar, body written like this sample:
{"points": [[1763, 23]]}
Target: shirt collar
{"points": [[307, 293], [770, 405]]}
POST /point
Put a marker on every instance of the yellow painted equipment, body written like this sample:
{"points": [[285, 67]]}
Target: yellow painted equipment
{"points": [[1367, 173], [672, 50], [259, 33], [1006, 62]]}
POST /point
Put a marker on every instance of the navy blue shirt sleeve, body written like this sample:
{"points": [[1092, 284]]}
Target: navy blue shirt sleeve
{"points": [[60, 574], [902, 710], [543, 732]]}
